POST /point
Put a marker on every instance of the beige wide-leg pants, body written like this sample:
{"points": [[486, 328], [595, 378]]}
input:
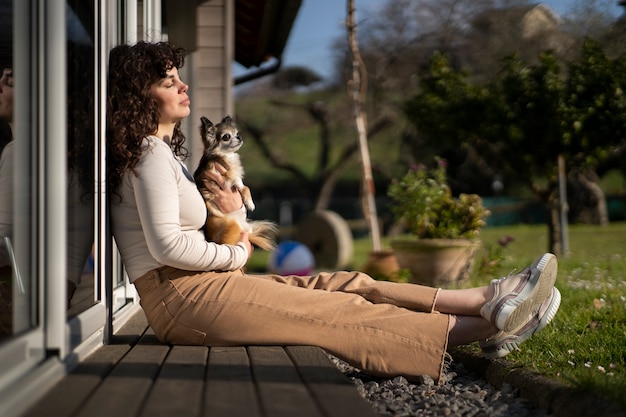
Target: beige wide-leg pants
{"points": [[384, 328]]}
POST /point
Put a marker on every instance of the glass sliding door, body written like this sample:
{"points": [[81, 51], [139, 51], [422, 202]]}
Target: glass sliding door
{"points": [[22, 339], [81, 139], [128, 18], [18, 179], [61, 281], [7, 325], [83, 281]]}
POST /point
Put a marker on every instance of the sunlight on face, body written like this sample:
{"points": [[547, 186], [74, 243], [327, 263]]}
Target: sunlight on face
{"points": [[171, 95]]}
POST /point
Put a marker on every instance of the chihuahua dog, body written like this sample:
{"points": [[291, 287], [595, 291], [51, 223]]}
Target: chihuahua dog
{"points": [[221, 143]]}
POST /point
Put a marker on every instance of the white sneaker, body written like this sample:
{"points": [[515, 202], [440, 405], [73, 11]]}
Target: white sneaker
{"points": [[504, 343], [516, 297]]}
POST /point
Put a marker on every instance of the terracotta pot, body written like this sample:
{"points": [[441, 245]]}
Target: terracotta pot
{"points": [[382, 264], [436, 262]]}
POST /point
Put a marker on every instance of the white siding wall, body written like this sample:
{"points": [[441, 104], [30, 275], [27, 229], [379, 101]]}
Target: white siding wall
{"points": [[210, 66]]}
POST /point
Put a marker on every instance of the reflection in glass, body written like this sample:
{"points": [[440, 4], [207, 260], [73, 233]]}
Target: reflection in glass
{"points": [[7, 287], [80, 143], [18, 294]]}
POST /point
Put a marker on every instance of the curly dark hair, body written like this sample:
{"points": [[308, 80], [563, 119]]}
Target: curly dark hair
{"points": [[132, 113]]}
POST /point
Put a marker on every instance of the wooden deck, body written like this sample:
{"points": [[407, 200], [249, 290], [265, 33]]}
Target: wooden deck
{"points": [[137, 375]]}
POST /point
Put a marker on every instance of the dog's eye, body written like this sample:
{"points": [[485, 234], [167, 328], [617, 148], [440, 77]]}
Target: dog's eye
{"points": [[226, 137]]}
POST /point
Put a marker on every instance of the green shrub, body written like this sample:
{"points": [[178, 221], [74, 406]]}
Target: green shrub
{"points": [[423, 202]]}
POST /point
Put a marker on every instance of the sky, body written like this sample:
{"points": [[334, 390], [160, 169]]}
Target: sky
{"points": [[320, 22]]}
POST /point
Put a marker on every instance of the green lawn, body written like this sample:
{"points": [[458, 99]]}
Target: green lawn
{"points": [[585, 345]]}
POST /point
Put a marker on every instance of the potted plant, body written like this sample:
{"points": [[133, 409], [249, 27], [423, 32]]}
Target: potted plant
{"points": [[445, 228]]}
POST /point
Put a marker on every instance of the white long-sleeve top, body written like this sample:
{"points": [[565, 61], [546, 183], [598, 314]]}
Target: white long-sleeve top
{"points": [[160, 219]]}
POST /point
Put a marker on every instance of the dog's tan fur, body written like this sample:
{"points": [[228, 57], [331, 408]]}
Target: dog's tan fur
{"points": [[221, 143]]}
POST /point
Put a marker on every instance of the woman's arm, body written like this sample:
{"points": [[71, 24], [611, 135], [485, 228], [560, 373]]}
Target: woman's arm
{"points": [[172, 212], [228, 200]]}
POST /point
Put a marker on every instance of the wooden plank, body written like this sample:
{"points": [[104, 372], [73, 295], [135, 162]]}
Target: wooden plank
{"points": [[336, 395], [124, 391], [282, 392], [68, 395], [139, 376], [179, 386], [149, 338], [230, 390]]}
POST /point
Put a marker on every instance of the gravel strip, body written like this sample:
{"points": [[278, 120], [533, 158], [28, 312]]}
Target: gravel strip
{"points": [[462, 393]]}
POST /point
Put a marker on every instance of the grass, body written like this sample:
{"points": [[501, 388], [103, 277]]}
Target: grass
{"points": [[585, 345]]}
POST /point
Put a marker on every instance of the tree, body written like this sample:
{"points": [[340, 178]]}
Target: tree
{"points": [[596, 115], [331, 155], [588, 18], [596, 105], [399, 36], [358, 84], [522, 121]]}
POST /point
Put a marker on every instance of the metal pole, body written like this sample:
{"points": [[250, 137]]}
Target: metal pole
{"points": [[563, 205]]}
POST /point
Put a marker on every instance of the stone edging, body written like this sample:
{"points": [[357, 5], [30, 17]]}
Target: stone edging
{"points": [[545, 393]]}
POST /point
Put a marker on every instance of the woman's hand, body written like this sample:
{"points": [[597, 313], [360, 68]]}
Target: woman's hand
{"points": [[227, 200], [243, 237]]}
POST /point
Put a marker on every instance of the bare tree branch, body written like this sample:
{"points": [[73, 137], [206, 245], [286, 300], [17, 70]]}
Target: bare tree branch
{"points": [[258, 137]]}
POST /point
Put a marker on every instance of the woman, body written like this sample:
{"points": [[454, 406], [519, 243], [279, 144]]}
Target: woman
{"points": [[195, 292]]}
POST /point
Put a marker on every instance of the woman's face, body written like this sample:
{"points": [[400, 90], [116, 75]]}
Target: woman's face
{"points": [[171, 96], [6, 95]]}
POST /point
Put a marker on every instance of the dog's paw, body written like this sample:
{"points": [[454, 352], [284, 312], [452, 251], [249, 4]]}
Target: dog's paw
{"points": [[250, 205]]}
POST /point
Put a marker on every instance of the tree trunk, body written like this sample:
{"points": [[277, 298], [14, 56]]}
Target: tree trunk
{"points": [[554, 225], [599, 213], [359, 88], [326, 191]]}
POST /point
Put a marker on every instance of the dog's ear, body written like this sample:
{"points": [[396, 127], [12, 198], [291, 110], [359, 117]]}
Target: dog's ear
{"points": [[227, 120], [205, 122], [207, 133]]}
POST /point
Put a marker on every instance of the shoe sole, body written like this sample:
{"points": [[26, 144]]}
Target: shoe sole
{"points": [[512, 343], [542, 278]]}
